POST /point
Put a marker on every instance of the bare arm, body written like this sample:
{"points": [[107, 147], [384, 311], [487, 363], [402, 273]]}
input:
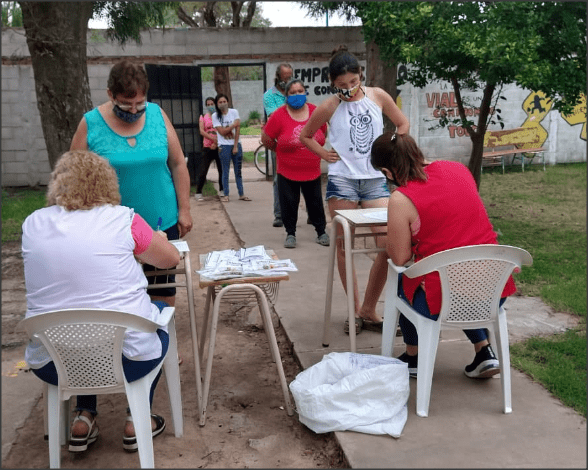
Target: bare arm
{"points": [[268, 141], [320, 116], [401, 213], [390, 109], [203, 132], [160, 253], [180, 177], [237, 126], [80, 139]]}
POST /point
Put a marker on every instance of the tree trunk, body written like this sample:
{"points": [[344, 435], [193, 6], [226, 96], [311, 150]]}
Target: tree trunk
{"points": [[209, 16], [477, 135], [381, 75], [250, 12], [236, 6], [56, 38], [222, 82]]}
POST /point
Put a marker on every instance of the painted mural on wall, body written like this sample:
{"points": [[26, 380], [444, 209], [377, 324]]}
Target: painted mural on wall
{"points": [[578, 116]]}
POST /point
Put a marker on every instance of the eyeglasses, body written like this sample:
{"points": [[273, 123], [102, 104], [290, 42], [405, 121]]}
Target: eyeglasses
{"points": [[128, 107]]}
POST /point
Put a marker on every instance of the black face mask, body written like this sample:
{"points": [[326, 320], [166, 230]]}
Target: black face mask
{"points": [[127, 116]]}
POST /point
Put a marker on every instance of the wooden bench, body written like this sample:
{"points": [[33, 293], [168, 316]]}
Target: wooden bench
{"points": [[519, 143]]}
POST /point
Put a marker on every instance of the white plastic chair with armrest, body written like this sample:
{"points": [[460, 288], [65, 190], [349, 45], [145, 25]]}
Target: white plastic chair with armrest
{"points": [[86, 348], [472, 281]]}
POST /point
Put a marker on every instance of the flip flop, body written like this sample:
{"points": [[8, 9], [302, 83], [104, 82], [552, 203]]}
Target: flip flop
{"points": [[244, 198], [372, 325], [358, 326], [80, 443], [224, 198], [130, 443]]}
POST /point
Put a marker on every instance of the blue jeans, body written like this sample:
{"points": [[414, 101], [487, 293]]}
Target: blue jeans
{"points": [[133, 370], [419, 303], [226, 156]]}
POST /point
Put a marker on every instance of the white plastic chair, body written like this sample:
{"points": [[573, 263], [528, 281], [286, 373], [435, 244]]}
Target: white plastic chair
{"points": [[472, 281], [86, 348]]}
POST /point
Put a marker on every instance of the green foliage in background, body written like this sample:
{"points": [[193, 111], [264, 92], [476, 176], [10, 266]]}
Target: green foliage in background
{"points": [[545, 213]]}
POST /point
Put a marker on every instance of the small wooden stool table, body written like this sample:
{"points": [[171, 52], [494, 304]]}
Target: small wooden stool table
{"points": [[262, 287]]}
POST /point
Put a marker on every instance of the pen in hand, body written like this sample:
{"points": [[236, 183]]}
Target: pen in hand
{"points": [[158, 224]]}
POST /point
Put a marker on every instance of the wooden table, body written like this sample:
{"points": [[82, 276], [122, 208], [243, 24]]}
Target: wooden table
{"points": [[264, 288], [349, 220]]}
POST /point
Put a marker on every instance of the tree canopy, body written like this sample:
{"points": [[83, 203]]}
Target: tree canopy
{"points": [[479, 47]]}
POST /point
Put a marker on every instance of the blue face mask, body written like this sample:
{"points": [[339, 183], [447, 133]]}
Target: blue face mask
{"points": [[296, 101], [127, 116], [211, 109]]}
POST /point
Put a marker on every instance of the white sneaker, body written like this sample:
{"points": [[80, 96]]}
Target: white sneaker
{"points": [[199, 197]]}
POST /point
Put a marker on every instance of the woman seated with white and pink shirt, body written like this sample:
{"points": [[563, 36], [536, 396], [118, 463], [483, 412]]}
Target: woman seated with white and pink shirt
{"points": [[85, 251]]}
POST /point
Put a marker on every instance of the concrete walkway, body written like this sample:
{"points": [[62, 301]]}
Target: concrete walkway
{"points": [[466, 427]]}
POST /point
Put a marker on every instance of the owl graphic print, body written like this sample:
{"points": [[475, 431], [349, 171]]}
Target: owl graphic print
{"points": [[353, 128]]}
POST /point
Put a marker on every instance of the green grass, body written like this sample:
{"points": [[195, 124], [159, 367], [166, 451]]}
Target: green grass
{"points": [[17, 204], [255, 130], [545, 213]]}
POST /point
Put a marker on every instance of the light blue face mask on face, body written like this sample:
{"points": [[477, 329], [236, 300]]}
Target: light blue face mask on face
{"points": [[296, 101], [211, 109]]}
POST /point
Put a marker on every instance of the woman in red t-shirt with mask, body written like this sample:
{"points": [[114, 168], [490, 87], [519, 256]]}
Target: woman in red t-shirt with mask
{"points": [[298, 168]]}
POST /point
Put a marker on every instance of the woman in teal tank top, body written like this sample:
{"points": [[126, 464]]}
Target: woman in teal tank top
{"points": [[140, 142]]}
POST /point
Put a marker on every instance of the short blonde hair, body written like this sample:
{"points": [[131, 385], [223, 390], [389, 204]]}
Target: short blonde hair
{"points": [[82, 180]]}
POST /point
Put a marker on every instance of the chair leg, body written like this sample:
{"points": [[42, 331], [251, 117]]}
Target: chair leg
{"points": [[54, 422], [502, 347], [138, 399], [428, 341], [172, 378], [45, 409], [391, 313]]}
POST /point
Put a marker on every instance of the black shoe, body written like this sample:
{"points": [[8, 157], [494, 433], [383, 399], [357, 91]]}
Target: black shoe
{"points": [[412, 362], [278, 222], [485, 364]]}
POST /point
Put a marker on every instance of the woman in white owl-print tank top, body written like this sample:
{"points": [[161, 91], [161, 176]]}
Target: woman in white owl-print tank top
{"points": [[353, 128], [355, 115]]}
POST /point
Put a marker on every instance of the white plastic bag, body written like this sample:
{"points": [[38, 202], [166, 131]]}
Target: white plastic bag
{"points": [[353, 392]]}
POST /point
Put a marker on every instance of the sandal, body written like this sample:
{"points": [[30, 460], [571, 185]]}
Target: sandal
{"points": [[224, 198], [80, 443], [358, 326], [130, 443], [244, 198], [372, 325]]}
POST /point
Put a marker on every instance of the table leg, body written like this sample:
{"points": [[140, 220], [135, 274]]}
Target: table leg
{"points": [[211, 341], [273, 344], [193, 328], [348, 244], [210, 298], [330, 275]]}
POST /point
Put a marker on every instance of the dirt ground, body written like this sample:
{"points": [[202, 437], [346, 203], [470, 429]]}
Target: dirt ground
{"points": [[247, 425]]}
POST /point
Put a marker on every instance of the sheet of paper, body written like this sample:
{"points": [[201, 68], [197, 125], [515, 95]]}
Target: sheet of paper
{"points": [[181, 245], [247, 262]]}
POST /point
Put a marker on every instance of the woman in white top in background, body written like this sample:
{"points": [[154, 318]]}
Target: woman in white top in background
{"points": [[355, 117], [228, 126]]}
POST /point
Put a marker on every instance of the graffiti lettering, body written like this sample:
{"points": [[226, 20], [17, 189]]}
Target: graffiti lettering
{"points": [[459, 131], [323, 90], [445, 100], [312, 73]]}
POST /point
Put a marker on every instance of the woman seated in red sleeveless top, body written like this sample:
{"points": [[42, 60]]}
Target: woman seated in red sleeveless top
{"points": [[436, 207]]}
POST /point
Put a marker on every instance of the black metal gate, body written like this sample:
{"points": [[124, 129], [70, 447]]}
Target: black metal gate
{"points": [[178, 90]]}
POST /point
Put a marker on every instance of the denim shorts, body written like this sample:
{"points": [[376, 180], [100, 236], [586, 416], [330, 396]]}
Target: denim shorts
{"points": [[356, 190]]}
